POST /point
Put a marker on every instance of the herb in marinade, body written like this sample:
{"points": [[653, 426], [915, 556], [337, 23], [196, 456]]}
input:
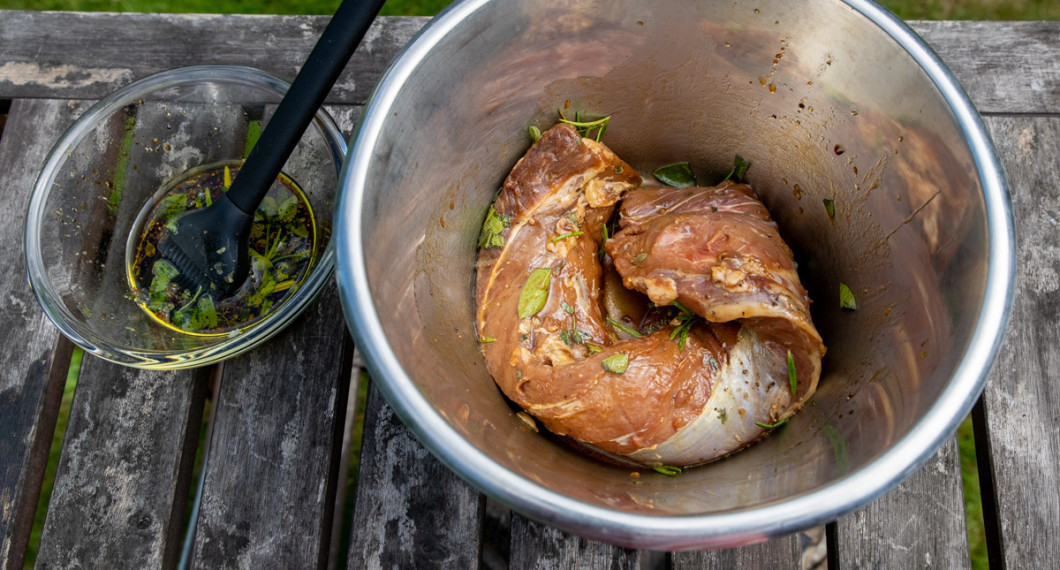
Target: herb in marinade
{"points": [[282, 247], [617, 363], [677, 175], [739, 169], [791, 374], [535, 292], [685, 321], [846, 298], [492, 228], [624, 328], [585, 128], [668, 470]]}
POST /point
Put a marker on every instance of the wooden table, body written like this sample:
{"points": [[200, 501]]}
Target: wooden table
{"points": [[279, 414]]}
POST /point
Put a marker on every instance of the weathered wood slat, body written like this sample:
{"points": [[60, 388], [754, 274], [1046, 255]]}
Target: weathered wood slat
{"points": [[919, 524], [61, 55], [1000, 64], [411, 511], [1021, 450], [784, 552], [273, 459], [121, 488], [541, 547], [34, 360]]}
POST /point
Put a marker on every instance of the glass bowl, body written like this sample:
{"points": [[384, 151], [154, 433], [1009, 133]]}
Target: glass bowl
{"points": [[116, 163]]}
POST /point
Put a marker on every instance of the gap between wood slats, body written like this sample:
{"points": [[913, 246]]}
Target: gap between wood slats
{"points": [[987, 493], [348, 458], [5, 107], [1029, 115], [349, 465], [36, 490], [198, 468]]}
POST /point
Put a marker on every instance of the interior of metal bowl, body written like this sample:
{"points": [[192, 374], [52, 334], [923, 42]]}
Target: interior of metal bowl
{"points": [[114, 163], [830, 101]]}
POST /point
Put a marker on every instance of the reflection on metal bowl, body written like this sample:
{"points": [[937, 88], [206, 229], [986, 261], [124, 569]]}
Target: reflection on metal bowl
{"points": [[866, 151]]}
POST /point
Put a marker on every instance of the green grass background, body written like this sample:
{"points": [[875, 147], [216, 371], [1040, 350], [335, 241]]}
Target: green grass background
{"points": [[906, 9]]}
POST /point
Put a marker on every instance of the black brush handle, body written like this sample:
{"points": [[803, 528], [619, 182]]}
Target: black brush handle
{"points": [[297, 108]]}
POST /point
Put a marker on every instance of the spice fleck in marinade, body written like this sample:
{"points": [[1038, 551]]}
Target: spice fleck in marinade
{"points": [[283, 250]]}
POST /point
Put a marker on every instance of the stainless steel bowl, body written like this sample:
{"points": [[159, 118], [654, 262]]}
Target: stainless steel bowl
{"points": [[829, 100]]}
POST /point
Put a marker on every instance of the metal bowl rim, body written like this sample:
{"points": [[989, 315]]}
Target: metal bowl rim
{"points": [[822, 505]]}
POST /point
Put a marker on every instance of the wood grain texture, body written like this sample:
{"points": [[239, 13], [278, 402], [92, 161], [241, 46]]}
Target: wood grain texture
{"points": [[273, 471], [278, 426], [59, 54], [535, 546], [1022, 397], [776, 554], [34, 360], [87, 55], [1000, 64], [919, 524], [273, 456], [411, 511], [121, 488]]}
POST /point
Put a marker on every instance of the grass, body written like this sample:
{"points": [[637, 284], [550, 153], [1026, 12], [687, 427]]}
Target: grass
{"points": [[391, 8], [906, 9]]}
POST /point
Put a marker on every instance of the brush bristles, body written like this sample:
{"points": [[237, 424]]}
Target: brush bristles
{"points": [[190, 276]]}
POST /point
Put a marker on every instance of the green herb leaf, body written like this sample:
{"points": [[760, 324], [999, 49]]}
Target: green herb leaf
{"points": [[846, 298], [681, 333], [791, 374], [678, 175], [198, 314], [492, 228], [535, 133], [565, 236], [723, 415], [668, 470], [486, 339], [585, 128], [593, 349], [567, 308], [624, 328], [535, 292], [287, 209], [573, 337], [640, 257], [685, 321], [163, 273], [205, 316], [829, 207], [739, 169], [771, 426], [268, 207], [617, 363], [258, 298], [172, 207]]}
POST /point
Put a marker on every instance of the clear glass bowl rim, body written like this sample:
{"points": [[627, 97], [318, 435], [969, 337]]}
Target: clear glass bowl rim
{"points": [[49, 298]]}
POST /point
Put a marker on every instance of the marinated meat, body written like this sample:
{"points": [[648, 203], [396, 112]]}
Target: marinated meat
{"points": [[682, 390]]}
